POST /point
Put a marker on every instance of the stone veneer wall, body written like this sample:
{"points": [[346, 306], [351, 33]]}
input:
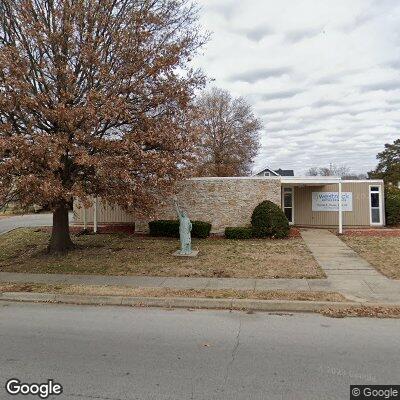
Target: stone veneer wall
{"points": [[222, 201]]}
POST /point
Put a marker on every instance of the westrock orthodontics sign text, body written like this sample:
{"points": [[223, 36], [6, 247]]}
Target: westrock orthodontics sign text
{"points": [[329, 201]]}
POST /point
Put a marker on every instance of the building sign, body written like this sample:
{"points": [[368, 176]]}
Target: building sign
{"points": [[328, 201]]}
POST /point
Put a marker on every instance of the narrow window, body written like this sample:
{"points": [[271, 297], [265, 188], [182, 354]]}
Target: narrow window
{"points": [[375, 203], [288, 203]]}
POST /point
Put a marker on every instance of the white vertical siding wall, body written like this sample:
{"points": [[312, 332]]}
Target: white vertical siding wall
{"points": [[106, 214], [304, 215]]}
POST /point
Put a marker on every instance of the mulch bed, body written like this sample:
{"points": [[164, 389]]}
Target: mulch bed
{"points": [[294, 232]]}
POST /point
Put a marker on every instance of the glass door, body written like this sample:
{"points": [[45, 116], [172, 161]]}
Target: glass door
{"points": [[288, 203], [375, 202]]}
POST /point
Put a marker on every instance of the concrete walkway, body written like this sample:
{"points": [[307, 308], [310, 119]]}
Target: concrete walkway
{"points": [[164, 282], [346, 271], [334, 256], [359, 289]]}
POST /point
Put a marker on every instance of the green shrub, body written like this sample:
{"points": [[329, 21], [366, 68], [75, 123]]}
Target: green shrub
{"points": [[170, 228], [268, 220], [238, 233], [392, 205], [201, 229]]}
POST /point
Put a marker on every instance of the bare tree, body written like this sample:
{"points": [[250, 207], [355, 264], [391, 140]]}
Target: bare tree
{"points": [[313, 171], [332, 170], [93, 102], [356, 177], [228, 134]]}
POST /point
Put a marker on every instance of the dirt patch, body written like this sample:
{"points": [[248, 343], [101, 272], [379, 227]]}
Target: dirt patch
{"points": [[23, 250], [383, 253], [95, 290]]}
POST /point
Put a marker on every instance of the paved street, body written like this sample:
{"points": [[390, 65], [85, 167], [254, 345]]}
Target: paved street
{"points": [[117, 353], [27, 220]]}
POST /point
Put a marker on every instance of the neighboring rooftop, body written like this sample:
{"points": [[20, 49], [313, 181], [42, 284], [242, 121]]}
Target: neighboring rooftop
{"points": [[284, 172], [266, 171]]}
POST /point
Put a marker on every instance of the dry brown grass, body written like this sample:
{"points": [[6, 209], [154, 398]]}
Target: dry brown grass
{"points": [[95, 290], [23, 250], [363, 311], [381, 252]]}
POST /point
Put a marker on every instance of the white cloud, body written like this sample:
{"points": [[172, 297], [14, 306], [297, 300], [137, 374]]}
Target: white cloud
{"points": [[323, 76]]}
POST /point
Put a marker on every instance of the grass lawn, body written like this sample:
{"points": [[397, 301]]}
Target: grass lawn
{"points": [[96, 290], [23, 250], [381, 252]]}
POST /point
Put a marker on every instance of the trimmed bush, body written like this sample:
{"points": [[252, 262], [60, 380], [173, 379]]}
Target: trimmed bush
{"points": [[268, 220], [238, 233], [392, 205], [163, 227], [201, 229], [170, 228]]}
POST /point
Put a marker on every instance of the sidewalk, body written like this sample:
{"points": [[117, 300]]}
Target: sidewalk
{"points": [[164, 282], [382, 290]]}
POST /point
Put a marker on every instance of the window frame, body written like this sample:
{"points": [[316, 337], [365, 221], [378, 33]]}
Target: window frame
{"points": [[283, 202], [379, 191]]}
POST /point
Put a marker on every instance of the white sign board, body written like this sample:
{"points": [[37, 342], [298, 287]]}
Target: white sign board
{"points": [[328, 201]]}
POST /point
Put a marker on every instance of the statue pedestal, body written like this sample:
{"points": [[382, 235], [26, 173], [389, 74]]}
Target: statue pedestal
{"points": [[194, 253]]}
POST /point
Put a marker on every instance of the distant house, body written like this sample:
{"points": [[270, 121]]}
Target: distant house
{"points": [[266, 171]]}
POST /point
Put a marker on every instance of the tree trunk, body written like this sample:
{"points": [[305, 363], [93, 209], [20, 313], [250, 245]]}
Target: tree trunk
{"points": [[60, 241]]}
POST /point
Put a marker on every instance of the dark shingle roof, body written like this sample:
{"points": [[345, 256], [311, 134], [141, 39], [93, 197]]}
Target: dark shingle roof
{"points": [[285, 172]]}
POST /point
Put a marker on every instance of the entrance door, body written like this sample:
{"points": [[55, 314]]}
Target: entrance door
{"points": [[288, 203], [375, 202]]}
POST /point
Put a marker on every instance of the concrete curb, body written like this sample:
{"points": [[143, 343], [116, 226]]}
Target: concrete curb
{"points": [[10, 230], [185, 302]]}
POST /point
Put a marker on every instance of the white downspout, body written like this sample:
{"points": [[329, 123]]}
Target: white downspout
{"points": [[340, 209], [95, 215]]}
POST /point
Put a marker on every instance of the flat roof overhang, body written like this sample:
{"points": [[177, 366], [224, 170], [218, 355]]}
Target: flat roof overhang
{"points": [[310, 180], [322, 180]]}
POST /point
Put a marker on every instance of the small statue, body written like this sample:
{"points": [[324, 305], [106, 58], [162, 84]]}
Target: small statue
{"points": [[185, 227]]}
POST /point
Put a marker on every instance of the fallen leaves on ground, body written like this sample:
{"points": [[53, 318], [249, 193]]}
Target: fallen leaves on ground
{"points": [[362, 311], [383, 253], [97, 290]]}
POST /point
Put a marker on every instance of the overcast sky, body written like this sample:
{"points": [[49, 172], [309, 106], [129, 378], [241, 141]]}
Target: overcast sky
{"points": [[322, 75]]}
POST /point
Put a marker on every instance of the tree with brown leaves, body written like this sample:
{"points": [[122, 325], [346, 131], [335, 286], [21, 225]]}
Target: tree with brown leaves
{"points": [[229, 134], [93, 102]]}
